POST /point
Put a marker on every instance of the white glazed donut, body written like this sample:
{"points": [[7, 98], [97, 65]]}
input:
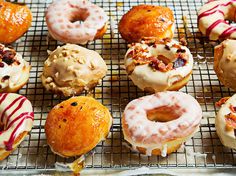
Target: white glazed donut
{"points": [[14, 70], [17, 117], [159, 66], [225, 122], [63, 18], [212, 16], [158, 124]]}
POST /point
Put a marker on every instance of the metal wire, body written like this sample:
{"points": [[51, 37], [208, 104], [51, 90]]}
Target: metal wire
{"points": [[116, 90]]}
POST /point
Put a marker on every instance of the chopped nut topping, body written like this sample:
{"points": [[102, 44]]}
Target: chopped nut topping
{"points": [[230, 121]]}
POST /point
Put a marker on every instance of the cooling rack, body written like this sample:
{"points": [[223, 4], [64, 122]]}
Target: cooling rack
{"points": [[204, 150]]}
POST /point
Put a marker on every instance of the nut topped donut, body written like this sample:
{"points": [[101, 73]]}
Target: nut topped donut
{"points": [[70, 69], [147, 21], [76, 21], [212, 19], [14, 70], [158, 124], [159, 65]]}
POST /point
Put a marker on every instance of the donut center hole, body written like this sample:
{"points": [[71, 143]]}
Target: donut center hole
{"points": [[163, 114], [79, 17]]}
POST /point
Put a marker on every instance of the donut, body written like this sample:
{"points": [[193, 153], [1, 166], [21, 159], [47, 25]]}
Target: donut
{"points": [[70, 69], [158, 124], [14, 70], [212, 19], [225, 122], [15, 20], [17, 117], [225, 63], [76, 126], [159, 65], [147, 21], [76, 21]]}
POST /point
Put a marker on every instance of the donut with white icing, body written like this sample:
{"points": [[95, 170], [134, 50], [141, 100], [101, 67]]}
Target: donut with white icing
{"points": [[76, 21], [212, 19], [158, 124], [14, 70], [225, 122], [17, 117], [159, 65], [225, 63]]}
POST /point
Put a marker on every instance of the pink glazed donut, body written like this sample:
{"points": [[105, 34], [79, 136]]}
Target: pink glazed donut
{"points": [[158, 124], [76, 21]]}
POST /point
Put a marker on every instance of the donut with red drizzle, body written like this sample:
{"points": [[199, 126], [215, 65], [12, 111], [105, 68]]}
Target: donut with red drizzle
{"points": [[212, 19], [16, 114]]}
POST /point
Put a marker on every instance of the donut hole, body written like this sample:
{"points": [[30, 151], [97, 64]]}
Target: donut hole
{"points": [[164, 114], [79, 17]]}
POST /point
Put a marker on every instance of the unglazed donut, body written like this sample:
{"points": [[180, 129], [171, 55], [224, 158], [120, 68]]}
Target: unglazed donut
{"points": [[17, 117], [158, 66], [71, 68], [225, 63], [14, 70], [226, 123], [212, 16], [63, 18], [15, 20], [76, 126], [147, 21], [158, 124]]}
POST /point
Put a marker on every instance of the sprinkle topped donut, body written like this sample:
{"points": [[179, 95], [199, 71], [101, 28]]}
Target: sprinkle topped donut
{"points": [[212, 19], [75, 21]]}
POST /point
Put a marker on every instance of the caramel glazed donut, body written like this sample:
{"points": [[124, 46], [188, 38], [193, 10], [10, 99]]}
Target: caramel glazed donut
{"points": [[158, 124], [212, 16], [64, 18], [159, 66], [17, 117], [226, 122]]}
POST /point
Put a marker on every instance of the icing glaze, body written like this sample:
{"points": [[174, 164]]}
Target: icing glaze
{"points": [[226, 134], [211, 19], [139, 131], [224, 63], [143, 75], [12, 67], [71, 68], [62, 16], [16, 115]]}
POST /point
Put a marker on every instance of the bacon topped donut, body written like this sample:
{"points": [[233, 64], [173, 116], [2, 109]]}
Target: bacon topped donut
{"points": [[212, 19], [226, 122], [159, 65]]}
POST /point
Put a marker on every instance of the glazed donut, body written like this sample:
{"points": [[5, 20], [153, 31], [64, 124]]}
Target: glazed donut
{"points": [[158, 124], [14, 71], [63, 18], [15, 20], [17, 117], [76, 126], [225, 122], [70, 69], [159, 65], [212, 16], [224, 63], [147, 21]]}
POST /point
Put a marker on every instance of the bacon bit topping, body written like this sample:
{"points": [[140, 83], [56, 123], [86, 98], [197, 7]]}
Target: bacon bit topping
{"points": [[160, 65], [221, 101], [4, 78], [183, 41], [7, 56], [167, 47], [176, 46], [181, 50], [232, 108], [230, 121]]}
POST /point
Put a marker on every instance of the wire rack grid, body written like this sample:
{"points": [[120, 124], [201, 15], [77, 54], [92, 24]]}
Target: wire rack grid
{"points": [[116, 90]]}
